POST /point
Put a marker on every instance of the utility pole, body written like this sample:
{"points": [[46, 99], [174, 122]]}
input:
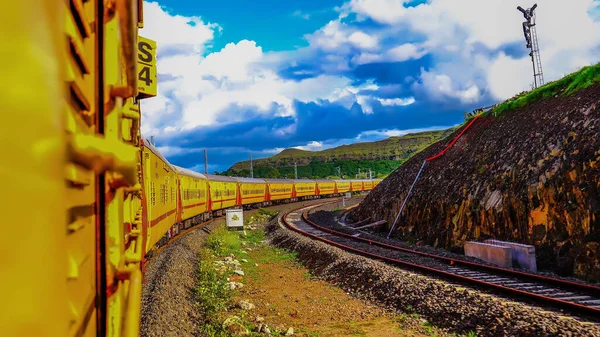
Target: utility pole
{"points": [[205, 162], [251, 171], [531, 39], [339, 169], [370, 174], [295, 170]]}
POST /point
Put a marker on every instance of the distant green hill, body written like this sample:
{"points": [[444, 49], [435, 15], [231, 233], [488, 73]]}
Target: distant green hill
{"points": [[382, 157]]}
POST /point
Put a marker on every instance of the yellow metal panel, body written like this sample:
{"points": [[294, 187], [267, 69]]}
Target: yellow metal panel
{"points": [[305, 188], [278, 191], [193, 195], [343, 186], [160, 186], [147, 78], [367, 185], [222, 194], [356, 185], [253, 192], [32, 170], [326, 187]]}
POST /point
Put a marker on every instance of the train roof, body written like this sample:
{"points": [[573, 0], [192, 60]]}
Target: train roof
{"points": [[146, 143], [303, 180], [250, 180], [342, 181], [190, 173], [324, 180], [280, 181], [214, 177]]}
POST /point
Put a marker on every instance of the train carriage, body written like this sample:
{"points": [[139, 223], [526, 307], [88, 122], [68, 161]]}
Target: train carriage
{"points": [[304, 188], [342, 186], [223, 192], [160, 186], [278, 189], [367, 185], [356, 185], [325, 187], [193, 193], [251, 191]]}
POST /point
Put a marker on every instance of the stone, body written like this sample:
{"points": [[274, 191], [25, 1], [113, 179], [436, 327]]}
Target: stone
{"points": [[239, 272], [245, 305], [290, 332], [234, 325]]}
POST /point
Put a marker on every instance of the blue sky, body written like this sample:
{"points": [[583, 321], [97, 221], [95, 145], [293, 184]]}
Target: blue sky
{"points": [[239, 77]]}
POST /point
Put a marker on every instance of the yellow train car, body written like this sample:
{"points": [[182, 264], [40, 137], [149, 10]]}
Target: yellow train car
{"points": [[367, 185], [193, 188], [279, 189], [376, 182], [160, 187], [325, 187], [304, 188], [342, 186], [356, 185], [223, 192], [251, 191]]}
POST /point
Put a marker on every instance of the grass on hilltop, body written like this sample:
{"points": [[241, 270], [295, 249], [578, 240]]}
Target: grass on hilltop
{"points": [[567, 85]]}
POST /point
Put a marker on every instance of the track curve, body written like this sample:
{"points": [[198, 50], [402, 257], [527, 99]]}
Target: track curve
{"points": [[573, 297]]}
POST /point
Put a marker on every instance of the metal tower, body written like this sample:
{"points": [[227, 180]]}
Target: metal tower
{"points": [[251, 168], [530, 32]]}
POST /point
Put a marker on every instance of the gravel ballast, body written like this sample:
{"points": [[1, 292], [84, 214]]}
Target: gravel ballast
{"points": [[167, 295], [445, 305], [168, 300]]}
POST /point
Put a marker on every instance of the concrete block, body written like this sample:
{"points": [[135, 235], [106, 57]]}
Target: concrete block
{"points": [[523, 255], [496, 254]]}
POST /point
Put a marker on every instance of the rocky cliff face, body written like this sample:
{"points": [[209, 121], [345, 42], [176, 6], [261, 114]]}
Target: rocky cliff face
{"points": [[530, 175]]}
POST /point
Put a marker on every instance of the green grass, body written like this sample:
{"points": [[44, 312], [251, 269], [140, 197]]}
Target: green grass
{"points": [[212, 294], [223, 242], [567, 85]]}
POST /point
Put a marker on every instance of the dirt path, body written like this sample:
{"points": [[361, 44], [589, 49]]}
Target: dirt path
{"points": [[285, 295]]}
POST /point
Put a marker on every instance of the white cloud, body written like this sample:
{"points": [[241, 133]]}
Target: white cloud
{"points": [[201, 90], [569, 38], [363, 40], [385, 11], [176, 31], [381, 134], [312, 146], [301, 14], [396, 101], [337, 37], [440, 87]]}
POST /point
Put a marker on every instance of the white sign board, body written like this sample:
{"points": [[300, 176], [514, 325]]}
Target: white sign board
{"points": [[235, 219], [348, 195]]}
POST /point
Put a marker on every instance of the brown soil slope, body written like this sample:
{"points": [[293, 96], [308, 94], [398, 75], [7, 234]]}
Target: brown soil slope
{"points": [[531, 175]]}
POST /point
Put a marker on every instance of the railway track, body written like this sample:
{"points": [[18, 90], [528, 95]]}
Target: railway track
{"points": [[572, 297]]}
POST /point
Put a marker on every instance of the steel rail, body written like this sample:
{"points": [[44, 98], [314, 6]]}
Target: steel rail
{"points": [[549, 300]]}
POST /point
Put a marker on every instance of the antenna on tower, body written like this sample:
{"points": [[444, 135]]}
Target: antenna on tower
{"points": [[205, 162], [295, 170], [251, 171], [530, 32]]}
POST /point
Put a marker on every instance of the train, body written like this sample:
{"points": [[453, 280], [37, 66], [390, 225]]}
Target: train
{"points": [[86, 198], [175, 198]]}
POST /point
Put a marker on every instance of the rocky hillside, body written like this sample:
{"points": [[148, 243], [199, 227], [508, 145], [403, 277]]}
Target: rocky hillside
{"points": [[527, 172], [382, 157]]}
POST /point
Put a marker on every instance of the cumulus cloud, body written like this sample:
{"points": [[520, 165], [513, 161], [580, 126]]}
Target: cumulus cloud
{"points": [[381, 67]]}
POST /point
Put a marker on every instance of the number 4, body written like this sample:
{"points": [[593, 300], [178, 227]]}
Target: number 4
{"points": [[145, 76]]}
